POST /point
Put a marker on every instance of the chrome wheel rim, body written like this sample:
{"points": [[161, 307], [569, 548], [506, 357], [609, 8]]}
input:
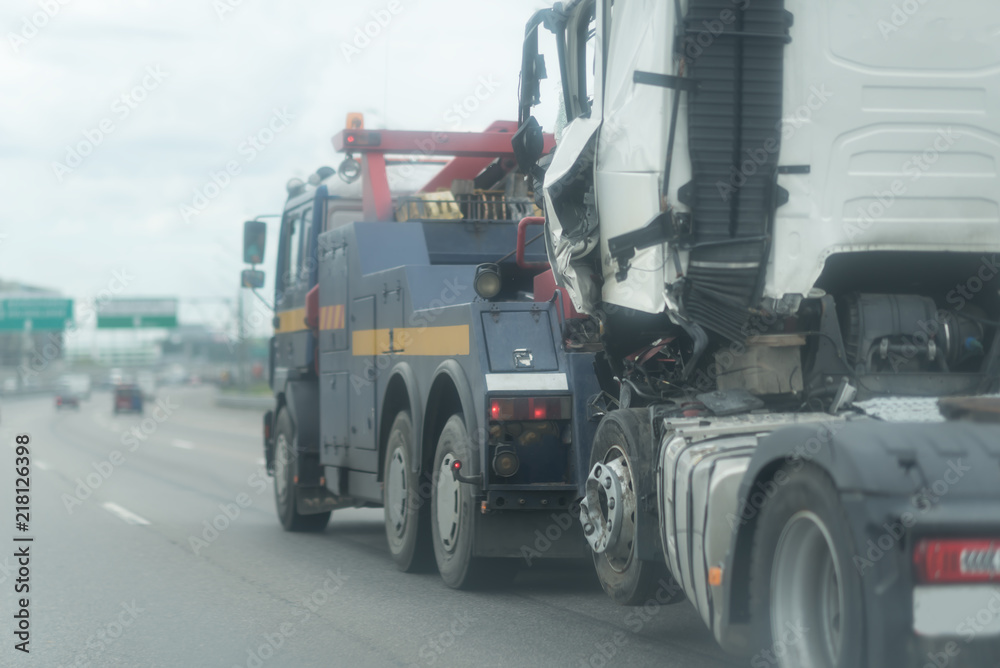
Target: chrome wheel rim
{"points": [[608, 510], [448, 504], [396, 493], [281, 468]]}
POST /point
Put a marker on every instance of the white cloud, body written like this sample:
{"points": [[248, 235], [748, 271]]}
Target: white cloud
{"points": [[225, 76]]}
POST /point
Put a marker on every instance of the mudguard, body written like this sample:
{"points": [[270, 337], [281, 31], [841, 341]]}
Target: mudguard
{"points": [[302, 402], [895, 480], [883, 458], [409, 379], [470, 411]]}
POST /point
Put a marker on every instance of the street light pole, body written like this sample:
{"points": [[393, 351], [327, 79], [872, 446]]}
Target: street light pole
{"points": [[242, 344]]}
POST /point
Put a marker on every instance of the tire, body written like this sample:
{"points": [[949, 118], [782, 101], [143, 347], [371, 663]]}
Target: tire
{"points": [[284, 482], [407, 513], [453, 519], [802, 576], [627, 579]]}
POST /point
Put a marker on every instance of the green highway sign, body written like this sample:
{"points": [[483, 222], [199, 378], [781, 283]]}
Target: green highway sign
{"points": [[45, 314], [137, 313], [125, 322]]}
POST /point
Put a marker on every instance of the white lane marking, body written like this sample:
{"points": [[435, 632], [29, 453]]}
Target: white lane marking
{"points": [[183, 445], [127, 515], [42, 465]]}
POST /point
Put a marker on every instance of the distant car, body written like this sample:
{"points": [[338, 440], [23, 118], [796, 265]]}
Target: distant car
{"points": [[67, 400], [78, 384], [128, 399]]}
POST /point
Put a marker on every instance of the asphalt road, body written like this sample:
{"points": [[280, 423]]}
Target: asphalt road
{"points": [[124, 570]]}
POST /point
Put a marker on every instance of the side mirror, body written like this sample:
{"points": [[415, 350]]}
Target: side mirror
{"points": [[254, 241], [252, 278], [528, 143]]}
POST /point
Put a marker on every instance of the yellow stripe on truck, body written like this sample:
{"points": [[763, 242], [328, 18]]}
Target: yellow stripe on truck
{"points": [[449, 341], [331, 317], [290, 321]]}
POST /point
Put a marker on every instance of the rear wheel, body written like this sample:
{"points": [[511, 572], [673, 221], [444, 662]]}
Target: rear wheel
{"points": [[407, 512], [805, 593], [610, 514], [284, 481], [452, 518]]}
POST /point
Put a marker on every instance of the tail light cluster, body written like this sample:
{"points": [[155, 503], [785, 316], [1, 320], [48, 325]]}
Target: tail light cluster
{"points": [[957, 561], [519, 424], [530, 408]]}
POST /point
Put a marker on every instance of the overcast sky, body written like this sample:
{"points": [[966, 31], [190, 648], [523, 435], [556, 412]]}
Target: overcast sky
{"points": [[182, 86]]}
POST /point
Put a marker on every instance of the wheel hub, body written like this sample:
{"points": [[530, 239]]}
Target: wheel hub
{"points": [[396, 493], [607, 512], [449, 504], [281, 467]]}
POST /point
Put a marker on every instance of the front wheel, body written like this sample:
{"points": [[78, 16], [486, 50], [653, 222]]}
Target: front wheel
{"points": [[611, 514], [406, 509], [805, 593], [453, 519], [284, 482]]}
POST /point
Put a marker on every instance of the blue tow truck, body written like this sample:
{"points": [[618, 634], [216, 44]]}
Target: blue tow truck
{"points": [[420, 360]]}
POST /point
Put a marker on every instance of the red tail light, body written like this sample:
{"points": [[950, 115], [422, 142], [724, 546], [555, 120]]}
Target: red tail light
{"points": [[530, 408], [362, 138], [955, 561]]}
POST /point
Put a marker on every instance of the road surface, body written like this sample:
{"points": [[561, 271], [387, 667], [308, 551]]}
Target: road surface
{"points": [[156, 544]]}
